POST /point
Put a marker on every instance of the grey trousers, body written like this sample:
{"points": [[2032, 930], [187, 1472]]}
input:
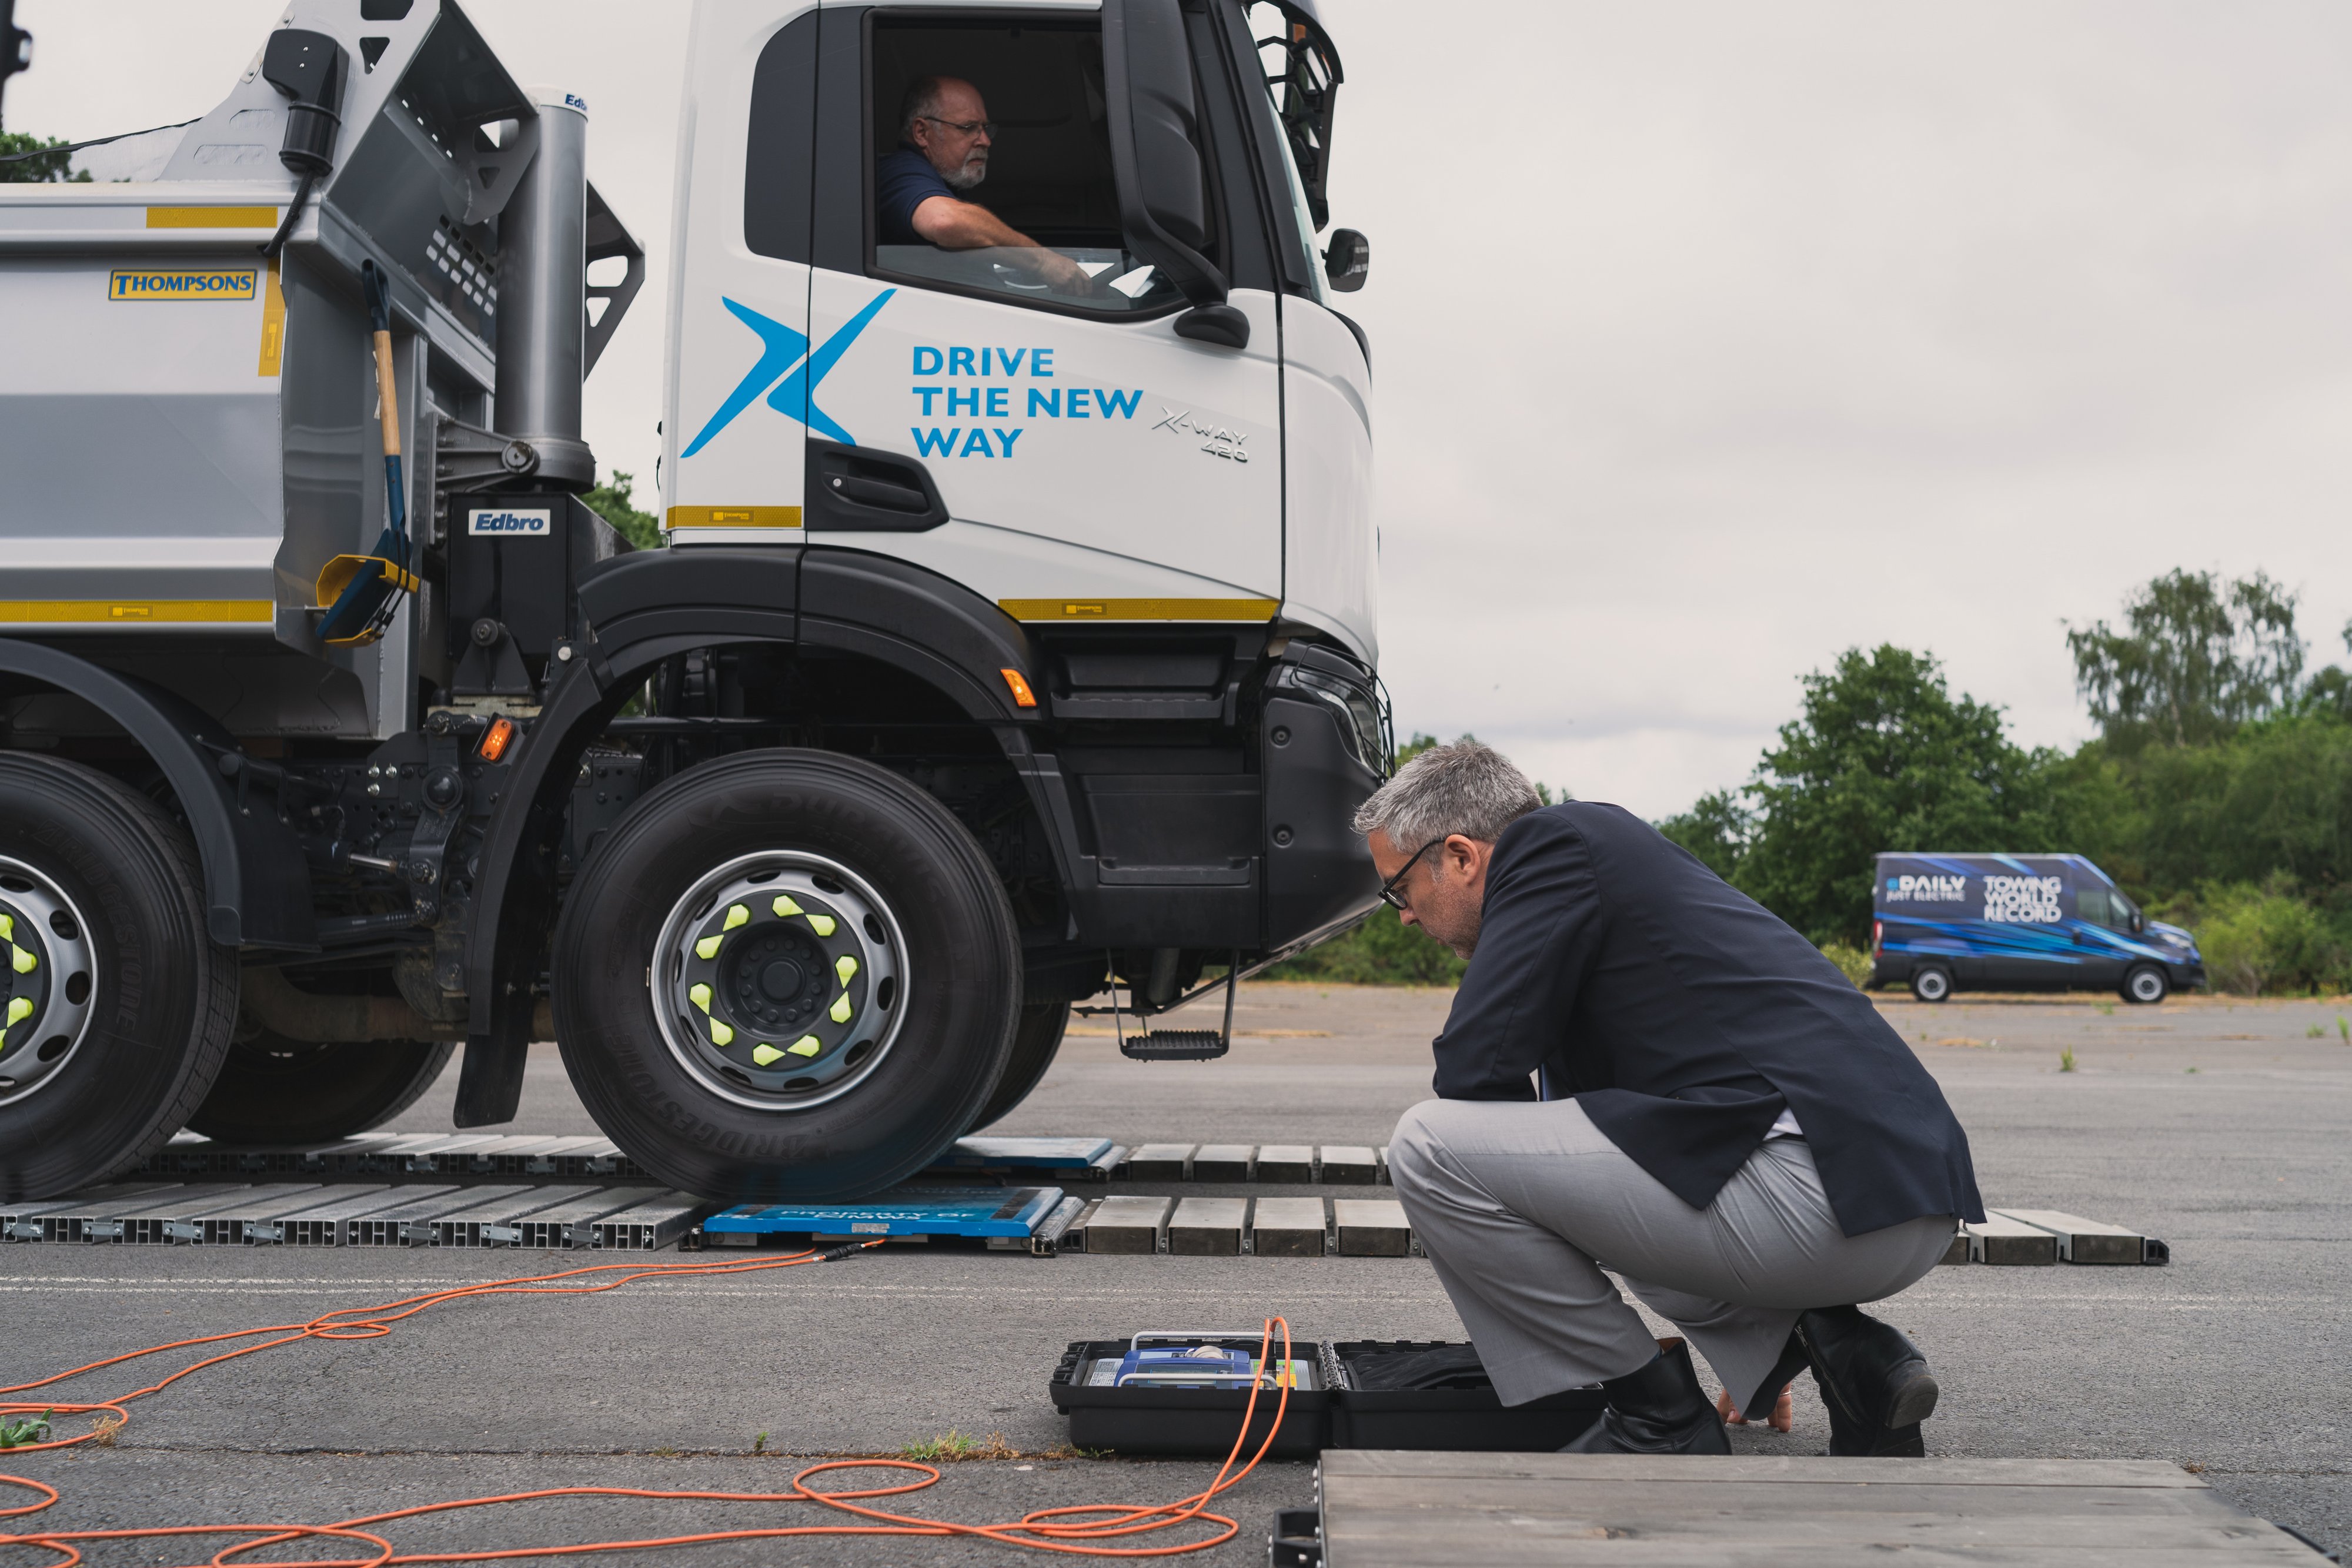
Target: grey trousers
{"points": [[1521, 1204]]}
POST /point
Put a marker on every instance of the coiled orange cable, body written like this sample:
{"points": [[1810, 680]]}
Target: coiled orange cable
{"points": [[1074, 1530]]}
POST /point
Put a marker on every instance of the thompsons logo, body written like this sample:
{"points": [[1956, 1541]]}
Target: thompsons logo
{"points": [[1927, 890], [128, 283], [493, 520]]}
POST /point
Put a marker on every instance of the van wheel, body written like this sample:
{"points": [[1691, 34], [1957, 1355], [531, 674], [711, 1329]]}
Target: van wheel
{"points": [[1035, 1042], [788, 975], [1931, 982], [2145, 985], [274, 1090], [118, 1005]]}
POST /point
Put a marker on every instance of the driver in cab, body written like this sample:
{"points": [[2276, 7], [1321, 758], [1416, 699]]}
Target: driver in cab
{"points": [[920, 188]]}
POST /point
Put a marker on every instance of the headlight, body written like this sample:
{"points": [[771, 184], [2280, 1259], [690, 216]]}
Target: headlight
{"points": [[1352, 705]]}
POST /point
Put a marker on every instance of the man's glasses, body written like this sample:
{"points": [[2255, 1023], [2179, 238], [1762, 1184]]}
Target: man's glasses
{"points": [[1389, 893], [985, 127]]}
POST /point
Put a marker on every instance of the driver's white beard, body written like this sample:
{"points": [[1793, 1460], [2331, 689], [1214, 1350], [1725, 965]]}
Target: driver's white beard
{"points": [[969, 177]]}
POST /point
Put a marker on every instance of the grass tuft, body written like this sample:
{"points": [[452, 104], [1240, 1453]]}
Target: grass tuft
{"points": [[952, 1447]]}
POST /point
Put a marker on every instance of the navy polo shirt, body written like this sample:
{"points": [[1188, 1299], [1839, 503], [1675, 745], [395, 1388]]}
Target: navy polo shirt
{"points": [[904, 181]]}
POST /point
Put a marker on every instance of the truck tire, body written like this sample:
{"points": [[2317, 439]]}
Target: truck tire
{"points": [[787, 975], [1931, 982], [2145, 985], [120, 1006], [1036, 1041], [273, 1090]]}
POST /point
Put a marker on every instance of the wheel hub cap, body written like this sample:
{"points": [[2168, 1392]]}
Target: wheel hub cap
{"points": [[46, 978], [779, 979]]}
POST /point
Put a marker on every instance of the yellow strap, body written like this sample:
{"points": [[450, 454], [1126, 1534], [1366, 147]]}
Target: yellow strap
{"points": [[273, 322]]}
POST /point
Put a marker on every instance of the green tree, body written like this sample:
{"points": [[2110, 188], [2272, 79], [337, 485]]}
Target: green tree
{"points": [[1882, 758], [29, 160], [611, 500], [2195, 658], [1716, 829]]}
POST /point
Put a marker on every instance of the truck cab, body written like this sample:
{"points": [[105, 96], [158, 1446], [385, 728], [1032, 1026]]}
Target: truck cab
{"points": [[1010, 647]]}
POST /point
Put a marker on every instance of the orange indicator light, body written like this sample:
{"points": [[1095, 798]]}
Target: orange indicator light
{"points": [[1022, 696]]}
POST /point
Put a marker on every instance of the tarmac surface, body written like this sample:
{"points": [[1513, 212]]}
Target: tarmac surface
{"points": [[2217, 1126]]}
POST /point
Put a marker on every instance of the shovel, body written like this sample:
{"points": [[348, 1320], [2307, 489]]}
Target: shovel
{"points": [[362, 591]]}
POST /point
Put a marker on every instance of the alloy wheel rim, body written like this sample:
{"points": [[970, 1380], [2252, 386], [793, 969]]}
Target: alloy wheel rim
{"points": [[778, 981], [48, 977]]}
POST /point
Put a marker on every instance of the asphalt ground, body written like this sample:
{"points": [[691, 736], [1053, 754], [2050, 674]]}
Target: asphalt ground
{"points": [[2217, 1126]]}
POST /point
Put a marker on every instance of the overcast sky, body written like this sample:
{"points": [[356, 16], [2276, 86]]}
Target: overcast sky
{"points": [[1711, 339]]}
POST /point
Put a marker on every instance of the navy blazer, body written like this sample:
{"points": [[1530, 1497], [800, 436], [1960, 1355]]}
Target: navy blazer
{"points": [[1683, 1016]]}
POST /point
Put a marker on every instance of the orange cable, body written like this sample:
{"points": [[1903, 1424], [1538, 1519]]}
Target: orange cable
{"points": [[1041, 1530]]}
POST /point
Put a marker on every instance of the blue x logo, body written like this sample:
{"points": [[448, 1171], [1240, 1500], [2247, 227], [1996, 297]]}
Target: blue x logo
{"points": [[781, 348]]}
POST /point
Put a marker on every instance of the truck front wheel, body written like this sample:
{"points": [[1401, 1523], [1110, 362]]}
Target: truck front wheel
{"points": [[118, 1005], [788, 974], [1035, 1045]]}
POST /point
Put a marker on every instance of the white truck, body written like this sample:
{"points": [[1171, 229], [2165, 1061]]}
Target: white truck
{"points": [[1010, 646]]}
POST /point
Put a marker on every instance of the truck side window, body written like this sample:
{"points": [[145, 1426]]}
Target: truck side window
{"points": [[991, 169], [778, 163], [2090, 903]]}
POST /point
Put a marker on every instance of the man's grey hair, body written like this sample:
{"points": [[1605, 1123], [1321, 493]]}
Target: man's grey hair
{"points": [[922, 102], [1465, 788]]}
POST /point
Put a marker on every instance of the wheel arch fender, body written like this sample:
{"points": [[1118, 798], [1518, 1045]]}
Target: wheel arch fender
{"points": [[256, 882]]}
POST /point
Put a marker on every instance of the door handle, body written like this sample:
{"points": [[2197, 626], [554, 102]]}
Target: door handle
{"points": [[878, 493], [858, 487]]}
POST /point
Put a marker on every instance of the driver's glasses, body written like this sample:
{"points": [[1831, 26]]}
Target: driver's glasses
{"points": [[1389, 893], [967, 127]]}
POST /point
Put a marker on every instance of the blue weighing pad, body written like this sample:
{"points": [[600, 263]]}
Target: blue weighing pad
{"points": [[998, 1216], [1023, 1154]]}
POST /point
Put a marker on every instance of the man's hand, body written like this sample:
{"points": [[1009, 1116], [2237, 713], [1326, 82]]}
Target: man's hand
{"points": [[951, 224], [1783, 1417]]}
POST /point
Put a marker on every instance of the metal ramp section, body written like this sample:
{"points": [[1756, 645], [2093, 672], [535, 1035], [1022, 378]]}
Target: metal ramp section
{"points": [[652, 1225], [1029, 1219], [499, 1223], [399, 1157]]}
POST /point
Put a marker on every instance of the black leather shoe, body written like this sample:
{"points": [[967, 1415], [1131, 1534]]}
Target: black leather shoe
{"points": [[1656, 1409], [1874, 1382]]}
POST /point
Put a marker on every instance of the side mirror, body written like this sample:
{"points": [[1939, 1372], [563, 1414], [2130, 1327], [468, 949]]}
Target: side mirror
{"points": [[1349, 261], [1154, 152]]}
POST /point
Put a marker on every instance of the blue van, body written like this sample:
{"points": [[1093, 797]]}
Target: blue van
{"points": [[2018, 923]]}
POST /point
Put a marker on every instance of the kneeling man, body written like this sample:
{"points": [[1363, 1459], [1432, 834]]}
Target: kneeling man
{"points": [[1718, 1115]]}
